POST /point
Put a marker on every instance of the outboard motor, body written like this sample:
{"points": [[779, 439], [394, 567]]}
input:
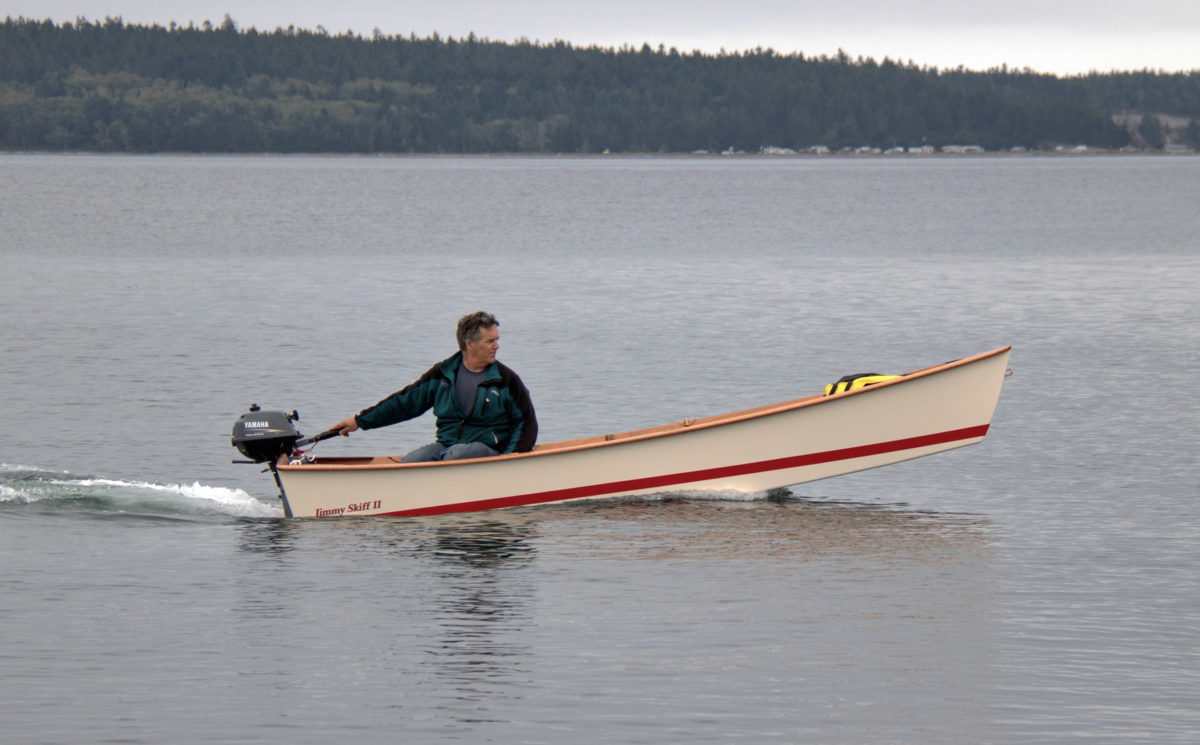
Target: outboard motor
{"points": [[263, 436]]}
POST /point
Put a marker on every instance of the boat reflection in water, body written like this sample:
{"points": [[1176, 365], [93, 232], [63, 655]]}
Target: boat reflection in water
{"points": [[479, 615]]}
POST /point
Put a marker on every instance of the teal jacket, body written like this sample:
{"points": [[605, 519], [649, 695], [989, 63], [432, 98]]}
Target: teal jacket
{"points": [[503, 417]]}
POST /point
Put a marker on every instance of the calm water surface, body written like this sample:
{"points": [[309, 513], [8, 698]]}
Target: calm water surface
{"points": [[1039, 587]]}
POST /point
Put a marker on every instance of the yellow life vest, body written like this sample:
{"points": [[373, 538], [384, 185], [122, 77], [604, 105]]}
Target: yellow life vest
{"points": [[856, 381]]}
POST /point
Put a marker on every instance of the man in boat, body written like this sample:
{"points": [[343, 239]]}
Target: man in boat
{"points": [[481, 406]]}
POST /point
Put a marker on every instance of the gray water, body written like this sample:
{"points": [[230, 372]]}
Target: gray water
{"points": [[1038, 587]]}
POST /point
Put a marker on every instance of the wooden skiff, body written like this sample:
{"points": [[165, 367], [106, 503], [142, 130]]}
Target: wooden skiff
{"points": [[923, 412]]}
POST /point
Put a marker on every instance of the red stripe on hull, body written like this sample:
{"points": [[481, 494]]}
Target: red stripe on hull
{"points": [[708, 474]]}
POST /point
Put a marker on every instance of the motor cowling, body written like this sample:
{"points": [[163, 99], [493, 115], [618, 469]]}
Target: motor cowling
{"points": [[263, 436]]}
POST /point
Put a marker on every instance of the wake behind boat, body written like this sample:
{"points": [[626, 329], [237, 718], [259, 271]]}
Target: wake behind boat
{"points": [[884, 420]]}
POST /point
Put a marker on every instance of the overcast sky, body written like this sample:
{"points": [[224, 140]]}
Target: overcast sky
{"points": [[1056, 36]]}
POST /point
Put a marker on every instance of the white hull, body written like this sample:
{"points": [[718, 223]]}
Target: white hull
{"points": [[924, 412]]}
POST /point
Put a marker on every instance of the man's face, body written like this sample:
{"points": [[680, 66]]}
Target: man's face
{"points": [[483, 352]]}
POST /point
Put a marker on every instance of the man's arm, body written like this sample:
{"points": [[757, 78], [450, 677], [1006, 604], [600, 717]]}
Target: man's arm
{"points": [[525, 432]]}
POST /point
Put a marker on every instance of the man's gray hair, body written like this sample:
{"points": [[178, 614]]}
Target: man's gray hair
{"points": [[470, 327]]}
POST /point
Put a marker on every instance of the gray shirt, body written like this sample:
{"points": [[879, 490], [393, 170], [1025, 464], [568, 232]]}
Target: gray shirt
{"points": [[466, 383]]}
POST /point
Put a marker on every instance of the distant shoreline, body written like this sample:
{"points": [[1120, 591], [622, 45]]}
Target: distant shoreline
{"points": [[112, 87]]}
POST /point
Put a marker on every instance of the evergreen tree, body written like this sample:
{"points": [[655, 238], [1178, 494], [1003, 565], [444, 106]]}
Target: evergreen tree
{"points": [[1152, 133]]}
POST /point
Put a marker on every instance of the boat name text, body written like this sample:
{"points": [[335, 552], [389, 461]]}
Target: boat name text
{"points": [[350, 508]]}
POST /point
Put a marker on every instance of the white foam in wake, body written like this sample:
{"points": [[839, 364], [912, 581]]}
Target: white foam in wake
{"points": [[201, 497], [27, 485]]}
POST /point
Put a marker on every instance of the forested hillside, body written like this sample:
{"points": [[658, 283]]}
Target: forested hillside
{"points": [[110, 86]]}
